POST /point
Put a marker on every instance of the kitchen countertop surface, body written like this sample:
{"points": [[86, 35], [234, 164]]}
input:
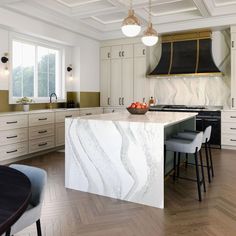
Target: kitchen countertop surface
{"points": [[163, 118], [44, 111]]}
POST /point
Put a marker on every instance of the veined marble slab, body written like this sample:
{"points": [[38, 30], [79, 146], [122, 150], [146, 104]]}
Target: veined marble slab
{"points": [[119, 155]]}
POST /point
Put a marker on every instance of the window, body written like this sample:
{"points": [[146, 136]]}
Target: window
{"points": [[36, 71]]}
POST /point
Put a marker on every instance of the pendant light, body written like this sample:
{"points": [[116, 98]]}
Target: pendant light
{"points": [[131, 25], [150, 36]]}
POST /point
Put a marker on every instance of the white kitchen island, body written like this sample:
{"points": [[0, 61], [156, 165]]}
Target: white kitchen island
{"points": [[121, 156]]}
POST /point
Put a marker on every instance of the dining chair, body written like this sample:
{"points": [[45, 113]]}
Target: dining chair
{"points": [[38, 179]]}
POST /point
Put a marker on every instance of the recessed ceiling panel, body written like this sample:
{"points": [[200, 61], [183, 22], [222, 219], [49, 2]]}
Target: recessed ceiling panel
{"points": [[74, 3], [224, 2], [111, 18], [173, 7]]}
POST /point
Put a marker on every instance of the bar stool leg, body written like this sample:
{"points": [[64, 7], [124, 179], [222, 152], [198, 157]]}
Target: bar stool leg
{"points": [[8, 233], [207, 162], [212, 169], [174, 167], [186, 160], [178, 164], [203, 177], [198, 178]]}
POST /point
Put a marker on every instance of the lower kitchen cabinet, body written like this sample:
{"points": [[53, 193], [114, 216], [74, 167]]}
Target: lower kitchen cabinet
{"points": [[228, 129], [41, 144], [60, 134]]}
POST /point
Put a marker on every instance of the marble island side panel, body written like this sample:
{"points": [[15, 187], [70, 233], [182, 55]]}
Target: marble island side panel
{"points": [[118, 159]]}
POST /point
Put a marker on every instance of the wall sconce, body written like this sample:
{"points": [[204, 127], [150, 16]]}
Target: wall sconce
{"points": [[4, 60], [69, 69]]}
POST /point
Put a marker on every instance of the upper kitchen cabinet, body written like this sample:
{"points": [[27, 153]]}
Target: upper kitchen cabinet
{"points": [[233, 67], [122, 73], [105, 76], [141, 83]]}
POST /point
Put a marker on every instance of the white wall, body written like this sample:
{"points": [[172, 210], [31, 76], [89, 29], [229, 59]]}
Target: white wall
{"points": [[84, 55]]}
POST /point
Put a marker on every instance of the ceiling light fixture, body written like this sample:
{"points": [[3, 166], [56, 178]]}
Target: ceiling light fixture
{"points": [[131, 24], [150, 36]]}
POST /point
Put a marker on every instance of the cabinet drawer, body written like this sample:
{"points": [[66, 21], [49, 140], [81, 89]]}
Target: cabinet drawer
{"points": [[41, 119], [88, 112], [13, 150], [60, 116], [13, 122], [229, 116], [41, 131], [40, 144], [228, 139], [228, 128], [13, 136], [60, 134]]}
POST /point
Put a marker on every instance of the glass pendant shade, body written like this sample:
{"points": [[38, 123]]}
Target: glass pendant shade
{"points": [[150, 37], [131, 25]]}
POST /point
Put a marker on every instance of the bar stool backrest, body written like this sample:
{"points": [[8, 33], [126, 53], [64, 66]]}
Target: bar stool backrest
{"points": [[207, 134], [197, 142]]}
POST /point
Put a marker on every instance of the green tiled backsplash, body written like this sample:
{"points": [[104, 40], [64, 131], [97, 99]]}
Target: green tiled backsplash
{"points": [[87, 99]]}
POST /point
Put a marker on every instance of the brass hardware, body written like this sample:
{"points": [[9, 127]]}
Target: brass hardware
{"points": [[120, 54], [42, 144], [123, 54], [232, 102], [108, 101], [119, 101], [40, 119], [42, 131], [123, 101], [11, 122], [15, 136], [197, 59], [186, 75], [171, 57], [68, 116], [108, 55], [232, 44], [186, 36], [88, 114], [233, 117]]}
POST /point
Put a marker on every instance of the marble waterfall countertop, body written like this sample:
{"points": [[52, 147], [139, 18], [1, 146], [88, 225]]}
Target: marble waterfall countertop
{"points": [[164, 118], [119, 155]]}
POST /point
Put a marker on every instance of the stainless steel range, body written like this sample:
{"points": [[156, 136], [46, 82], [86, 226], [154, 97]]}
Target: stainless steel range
{"points": [[206, 116]]}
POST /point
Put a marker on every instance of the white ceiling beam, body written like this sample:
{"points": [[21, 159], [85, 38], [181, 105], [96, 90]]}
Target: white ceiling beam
{"points": [[202, 7]]}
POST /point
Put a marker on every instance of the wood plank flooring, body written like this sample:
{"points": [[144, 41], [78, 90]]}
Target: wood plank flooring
{"points": [[67, 212]]}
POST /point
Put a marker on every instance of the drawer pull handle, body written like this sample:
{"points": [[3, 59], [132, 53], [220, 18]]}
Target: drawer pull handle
{"points": [[68, 116], [233, 128], [15, 136], [88, 114], [42, 131], [234, 140], [12, 151], [42, 144], [42, 118], [11, 122], [233, 117]]}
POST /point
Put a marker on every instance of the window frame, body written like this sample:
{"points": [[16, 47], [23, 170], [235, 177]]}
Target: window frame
{"points": [[38, 43]]}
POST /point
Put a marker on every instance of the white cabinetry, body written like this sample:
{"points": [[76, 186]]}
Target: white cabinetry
{"points": [[228, 129], [13, 136], [105, 75], [122, 75], [233, 67], [141, 83]]}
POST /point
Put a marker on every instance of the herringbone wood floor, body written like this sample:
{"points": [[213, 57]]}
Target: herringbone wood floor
{"points": [[67, 212]]}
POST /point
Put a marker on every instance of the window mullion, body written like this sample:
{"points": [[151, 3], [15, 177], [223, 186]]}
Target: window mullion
{"points": [[36, 73]]}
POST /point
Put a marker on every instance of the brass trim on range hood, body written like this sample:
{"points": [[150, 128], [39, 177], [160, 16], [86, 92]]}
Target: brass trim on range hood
{"points": [[210, 74], [200, 48]]}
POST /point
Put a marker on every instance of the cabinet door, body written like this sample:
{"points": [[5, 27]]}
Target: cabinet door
{"points": [[127, 51], [139, 50], [233, 78], [116, 52], [116, 78], [105, 53], [105, 83], [127, 81], [60, 134], [141, 83]]}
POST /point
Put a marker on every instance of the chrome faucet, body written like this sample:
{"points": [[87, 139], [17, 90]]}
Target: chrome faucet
{"points": [[52, 95]]}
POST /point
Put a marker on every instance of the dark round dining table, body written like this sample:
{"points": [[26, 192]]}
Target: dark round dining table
{"points": [[15, 193]]}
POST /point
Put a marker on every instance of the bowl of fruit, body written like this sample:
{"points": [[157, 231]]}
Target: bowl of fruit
{"points": [[138, 108]]}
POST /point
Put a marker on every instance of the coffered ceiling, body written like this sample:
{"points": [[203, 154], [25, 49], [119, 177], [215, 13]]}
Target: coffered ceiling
{"points": [[101, 19]]}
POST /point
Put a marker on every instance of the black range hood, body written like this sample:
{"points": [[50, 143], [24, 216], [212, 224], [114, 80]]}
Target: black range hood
{"points": [[186, 54]]}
